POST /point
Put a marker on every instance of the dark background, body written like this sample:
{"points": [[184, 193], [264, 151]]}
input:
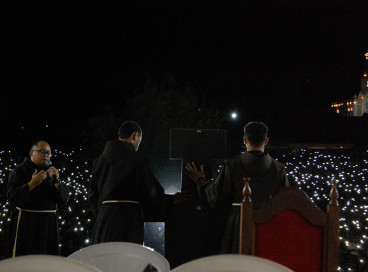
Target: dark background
{"points": [[281, 62]]}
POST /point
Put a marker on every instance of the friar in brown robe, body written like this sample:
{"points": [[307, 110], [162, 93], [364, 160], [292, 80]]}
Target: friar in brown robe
{"points": [[35, 193], [123, 189], [266, 176]]}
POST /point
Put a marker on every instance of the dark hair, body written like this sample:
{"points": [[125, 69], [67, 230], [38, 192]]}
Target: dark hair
{"points": [[127, 128], [35, 143], [256, 133]]}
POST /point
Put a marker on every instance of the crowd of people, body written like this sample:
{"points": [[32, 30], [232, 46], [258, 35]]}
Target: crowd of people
{"points": [[310, 170]]}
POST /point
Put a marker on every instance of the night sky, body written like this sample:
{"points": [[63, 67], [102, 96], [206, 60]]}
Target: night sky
{"points": [[63, 60]]}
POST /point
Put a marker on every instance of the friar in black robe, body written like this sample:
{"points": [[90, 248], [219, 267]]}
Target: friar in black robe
{"points": [[35, 193], [266, 176], [123, 190]]}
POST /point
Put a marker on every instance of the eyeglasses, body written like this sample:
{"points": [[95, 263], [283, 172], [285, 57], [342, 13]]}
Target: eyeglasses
{"points": [[43, 151]]}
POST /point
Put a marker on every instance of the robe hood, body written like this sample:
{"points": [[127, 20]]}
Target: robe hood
{"points": [[256, 163], [116, 150], [31, 165]]}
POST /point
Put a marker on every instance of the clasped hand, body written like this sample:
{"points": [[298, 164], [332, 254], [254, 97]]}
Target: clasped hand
{"points": [[39, 176], [53, 172]]}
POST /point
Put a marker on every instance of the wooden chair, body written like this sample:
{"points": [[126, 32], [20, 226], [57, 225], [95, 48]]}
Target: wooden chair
{"points": [[291, 230]]}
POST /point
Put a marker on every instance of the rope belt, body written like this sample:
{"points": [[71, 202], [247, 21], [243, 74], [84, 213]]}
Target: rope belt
{"points": [[35, 211], [121, 201], [19, 216]]}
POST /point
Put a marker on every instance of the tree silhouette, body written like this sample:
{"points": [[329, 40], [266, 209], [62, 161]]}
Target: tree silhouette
{"points": [[157, 107]]}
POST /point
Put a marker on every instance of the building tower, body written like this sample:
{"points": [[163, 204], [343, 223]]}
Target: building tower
{"points": [[361, 101], [359, 104]]}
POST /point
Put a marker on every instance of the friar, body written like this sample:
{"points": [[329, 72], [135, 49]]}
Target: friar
{"points": [[35, 193], [266, 174], [123, 190]]}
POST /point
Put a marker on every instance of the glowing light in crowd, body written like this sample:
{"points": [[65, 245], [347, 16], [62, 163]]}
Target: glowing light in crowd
{"points": [[311, 171]]}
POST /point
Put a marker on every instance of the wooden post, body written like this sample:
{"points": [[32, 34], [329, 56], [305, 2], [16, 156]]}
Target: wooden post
{"points": [[247, 228], [333, 240]]}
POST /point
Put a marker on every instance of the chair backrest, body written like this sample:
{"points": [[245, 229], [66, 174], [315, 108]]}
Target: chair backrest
{"points": [[290, 229], [122, 257], [43, 263], [231, 263]]}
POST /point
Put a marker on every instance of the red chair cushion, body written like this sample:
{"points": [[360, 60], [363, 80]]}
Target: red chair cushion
{"points": [[291, 240]]}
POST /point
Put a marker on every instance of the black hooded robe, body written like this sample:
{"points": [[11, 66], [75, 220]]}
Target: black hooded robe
{"points": [[266, 176], [122, 174], [33, 228]]}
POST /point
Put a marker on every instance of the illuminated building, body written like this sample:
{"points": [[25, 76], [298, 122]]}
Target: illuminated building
{"points": [[359, 104]]}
